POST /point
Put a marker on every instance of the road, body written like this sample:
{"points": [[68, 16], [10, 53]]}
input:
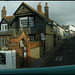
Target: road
{"points": [[65, 55]]}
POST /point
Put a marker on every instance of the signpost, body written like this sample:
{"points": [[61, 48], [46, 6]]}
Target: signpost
{"points": [[43, 38]]}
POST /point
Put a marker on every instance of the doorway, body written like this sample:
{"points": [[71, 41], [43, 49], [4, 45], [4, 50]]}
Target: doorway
{"points": [[23, 48]]}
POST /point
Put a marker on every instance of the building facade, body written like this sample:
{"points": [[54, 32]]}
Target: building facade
{"points": [[31, 23], [70, 30]]}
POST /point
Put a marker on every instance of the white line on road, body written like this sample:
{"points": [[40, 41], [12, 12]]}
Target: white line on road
{"points": [[58, 58]]}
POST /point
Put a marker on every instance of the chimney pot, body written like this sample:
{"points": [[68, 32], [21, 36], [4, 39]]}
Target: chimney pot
{"points": [[46, 3], [4, 8], [46, 11], [39, 7], [3, 12]]}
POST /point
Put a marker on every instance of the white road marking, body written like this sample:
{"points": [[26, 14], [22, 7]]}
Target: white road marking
{"points": [[56, 59], [60, 59]]}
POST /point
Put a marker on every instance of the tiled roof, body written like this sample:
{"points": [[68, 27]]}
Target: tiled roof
{"points": [[9, 19], [40, 14], [43, 14]]}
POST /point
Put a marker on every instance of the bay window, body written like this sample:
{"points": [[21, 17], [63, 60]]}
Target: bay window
{"points": [[4, 27]]}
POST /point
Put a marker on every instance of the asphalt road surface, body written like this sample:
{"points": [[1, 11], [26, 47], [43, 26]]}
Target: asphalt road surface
{"points": [[65, 55]]}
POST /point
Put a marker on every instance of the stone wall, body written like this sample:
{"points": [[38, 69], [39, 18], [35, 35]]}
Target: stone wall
{"points": [[31, 49], [36, 53], [49, 43], [14, 45]]}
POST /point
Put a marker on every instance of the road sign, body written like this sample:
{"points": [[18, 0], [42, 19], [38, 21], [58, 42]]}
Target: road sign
{"points": [[43, 37]]}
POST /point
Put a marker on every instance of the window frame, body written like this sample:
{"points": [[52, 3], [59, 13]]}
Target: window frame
{"points": [[2, 42], [4, 25], [31, 22], [33, 37], [23, 18], [28, 21]]}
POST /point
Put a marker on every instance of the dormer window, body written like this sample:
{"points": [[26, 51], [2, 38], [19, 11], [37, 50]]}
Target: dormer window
{"points": [[4, 27]]}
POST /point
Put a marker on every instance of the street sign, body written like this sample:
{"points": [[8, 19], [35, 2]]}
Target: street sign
{"points": [[43, 37]]}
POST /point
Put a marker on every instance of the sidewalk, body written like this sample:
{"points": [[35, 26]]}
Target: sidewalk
{"points": [[42, 59]]}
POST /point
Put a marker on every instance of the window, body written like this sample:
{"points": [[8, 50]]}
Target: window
{"points": [[31, 21], [2, 58], [24, 22], [55, 28], [4, 27], [31, 38], [27, 21], [2, 41]]}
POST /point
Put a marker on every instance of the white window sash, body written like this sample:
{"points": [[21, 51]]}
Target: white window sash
{"points": [[23, 18], [3, 25], [31, 23]]}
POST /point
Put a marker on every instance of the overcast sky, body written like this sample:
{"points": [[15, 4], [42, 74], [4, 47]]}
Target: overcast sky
{"points": [[62, 12]]}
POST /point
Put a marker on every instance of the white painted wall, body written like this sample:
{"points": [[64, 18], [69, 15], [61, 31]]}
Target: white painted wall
{"points": [[61, 32], [10, 60], [72, 28]]}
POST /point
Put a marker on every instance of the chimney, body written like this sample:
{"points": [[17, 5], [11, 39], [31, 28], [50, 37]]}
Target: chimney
{"points": [[46, 11], [3, 12], [39, 7]]}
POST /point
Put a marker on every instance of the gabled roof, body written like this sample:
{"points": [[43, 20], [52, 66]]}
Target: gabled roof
{"points": [[42, 15]]}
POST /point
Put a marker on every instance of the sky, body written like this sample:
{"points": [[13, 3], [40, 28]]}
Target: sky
{"points": [[62, 12]]}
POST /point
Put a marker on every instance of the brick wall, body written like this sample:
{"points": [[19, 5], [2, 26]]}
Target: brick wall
{"points": [[14, 45]]}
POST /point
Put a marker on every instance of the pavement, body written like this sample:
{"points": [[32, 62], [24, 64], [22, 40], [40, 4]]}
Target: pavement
{"points": [[42, 59]]}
